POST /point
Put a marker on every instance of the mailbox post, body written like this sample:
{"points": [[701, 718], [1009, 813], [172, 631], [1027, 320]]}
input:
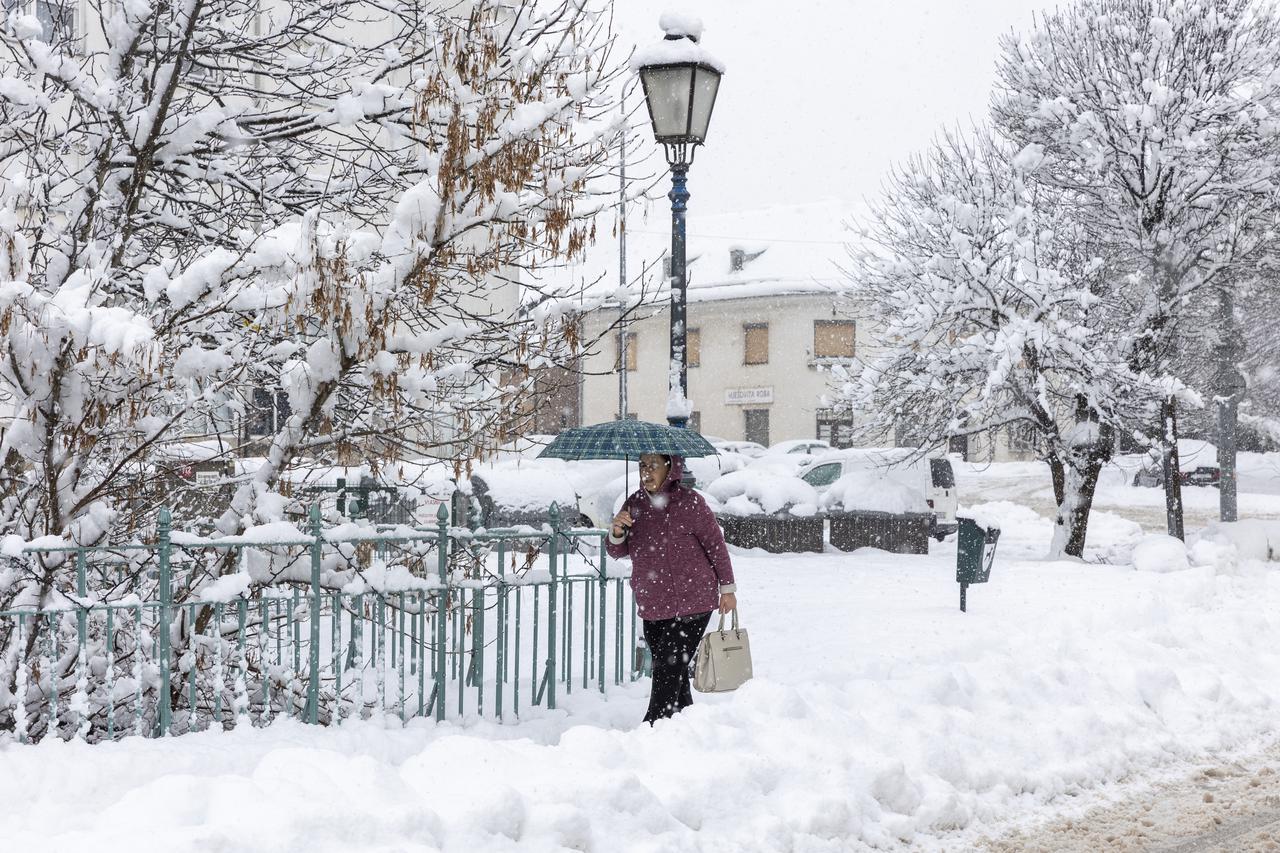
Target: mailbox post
{"points": [[975, 549]]}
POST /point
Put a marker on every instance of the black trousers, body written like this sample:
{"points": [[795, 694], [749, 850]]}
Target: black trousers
{"points": [[672, 644]]}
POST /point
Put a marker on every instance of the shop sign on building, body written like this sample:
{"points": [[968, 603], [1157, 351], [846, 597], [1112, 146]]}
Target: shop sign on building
{"points": [[748, 396]]}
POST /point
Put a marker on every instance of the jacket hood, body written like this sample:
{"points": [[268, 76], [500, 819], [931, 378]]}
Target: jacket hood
{"points": [[675, 474]]}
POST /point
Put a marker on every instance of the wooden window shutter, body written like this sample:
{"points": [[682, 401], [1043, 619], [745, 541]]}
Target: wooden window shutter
{"points": [[757, 343], [833, 338]]}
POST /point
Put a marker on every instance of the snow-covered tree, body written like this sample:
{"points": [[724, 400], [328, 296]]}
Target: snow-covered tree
{"points": [[334, 200], [1160, 118], [329, 198], [986, 293]]}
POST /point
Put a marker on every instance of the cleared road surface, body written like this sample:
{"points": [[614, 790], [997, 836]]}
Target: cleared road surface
{"points": [[1227, 808]]}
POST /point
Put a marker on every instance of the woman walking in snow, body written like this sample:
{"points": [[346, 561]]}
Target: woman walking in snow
{"points": [[680, 573]]}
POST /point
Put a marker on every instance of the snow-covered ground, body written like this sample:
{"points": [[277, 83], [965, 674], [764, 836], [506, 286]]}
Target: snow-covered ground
{"points": [[879, 716]]}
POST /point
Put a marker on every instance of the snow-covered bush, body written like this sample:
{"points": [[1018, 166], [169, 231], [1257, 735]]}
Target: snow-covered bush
{"points": [[760, 492], [860, 491], [304, 218], [331, 229]]}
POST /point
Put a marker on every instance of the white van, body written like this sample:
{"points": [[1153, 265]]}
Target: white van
{"points": [[931, 476]]}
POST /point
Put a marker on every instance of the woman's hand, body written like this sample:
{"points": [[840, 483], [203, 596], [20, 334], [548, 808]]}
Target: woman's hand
{"points": [[728, 602], [621, 522]]}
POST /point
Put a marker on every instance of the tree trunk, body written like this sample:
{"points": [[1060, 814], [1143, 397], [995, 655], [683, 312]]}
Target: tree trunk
{"points": [[1170, 467], [1058, 471], [1075, 479]]}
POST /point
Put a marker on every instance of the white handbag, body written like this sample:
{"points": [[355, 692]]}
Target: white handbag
{"points": [[723, 662]]}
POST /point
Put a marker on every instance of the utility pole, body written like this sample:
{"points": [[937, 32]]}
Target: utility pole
{"points": [[1229, 385]]}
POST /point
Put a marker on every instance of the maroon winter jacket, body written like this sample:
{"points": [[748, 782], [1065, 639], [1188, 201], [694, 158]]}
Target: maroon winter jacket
{"points": [[678, 555]]}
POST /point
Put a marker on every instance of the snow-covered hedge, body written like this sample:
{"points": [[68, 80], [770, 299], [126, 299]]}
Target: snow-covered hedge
{"points": [[760, 492], [861, 491]]}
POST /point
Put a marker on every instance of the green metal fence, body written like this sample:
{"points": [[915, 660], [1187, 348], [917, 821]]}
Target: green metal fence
{"points": [[340, 622]]}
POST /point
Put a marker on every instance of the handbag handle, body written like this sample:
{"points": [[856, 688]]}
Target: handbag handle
{"points": [[735, 621]]}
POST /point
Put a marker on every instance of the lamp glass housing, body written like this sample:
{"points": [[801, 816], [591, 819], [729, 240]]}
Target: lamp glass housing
{"points": [[680, 97]]}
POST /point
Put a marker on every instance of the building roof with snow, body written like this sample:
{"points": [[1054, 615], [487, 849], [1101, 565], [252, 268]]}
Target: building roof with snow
{"points": [[773, 251]]}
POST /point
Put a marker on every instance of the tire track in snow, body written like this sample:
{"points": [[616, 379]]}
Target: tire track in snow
{"points": [[1233, 807]]}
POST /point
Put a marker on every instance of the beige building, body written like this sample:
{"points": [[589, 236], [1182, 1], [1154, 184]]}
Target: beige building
{"points": [[765, 322], [757, 367]]}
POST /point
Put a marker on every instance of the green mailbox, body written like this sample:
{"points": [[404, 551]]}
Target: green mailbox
{"points": [[975, 549]]}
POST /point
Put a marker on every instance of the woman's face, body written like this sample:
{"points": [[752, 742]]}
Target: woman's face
{"points": [[653, 472]]}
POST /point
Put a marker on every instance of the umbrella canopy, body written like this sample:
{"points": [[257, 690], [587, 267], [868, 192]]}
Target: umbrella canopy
{"points": [[626, 440]]}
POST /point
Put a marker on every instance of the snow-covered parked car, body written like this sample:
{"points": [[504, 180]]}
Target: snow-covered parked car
{"points": [[790, 457], [1197, 463], [931, 476], [749, 449], [518, 495], [753, 491]]}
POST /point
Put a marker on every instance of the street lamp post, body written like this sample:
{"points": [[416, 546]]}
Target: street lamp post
{"points": [[680, 82]]}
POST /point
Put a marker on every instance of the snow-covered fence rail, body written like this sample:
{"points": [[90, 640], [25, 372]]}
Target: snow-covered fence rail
{"points": [[320, 626]]}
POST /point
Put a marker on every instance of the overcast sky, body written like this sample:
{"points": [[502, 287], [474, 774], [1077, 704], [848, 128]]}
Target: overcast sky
{"points": [[818, 101]]}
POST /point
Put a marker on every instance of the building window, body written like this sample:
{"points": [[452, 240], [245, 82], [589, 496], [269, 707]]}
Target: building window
{"points": [[756, 426], [693, 347], [631, 352], [835, 428], [833, 338], [1022, 438], [267, 412], [695, 421], [757, 343], [57, 17]]}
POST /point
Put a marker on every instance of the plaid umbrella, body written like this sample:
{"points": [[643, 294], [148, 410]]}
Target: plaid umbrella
{"points": [[626, 440]]}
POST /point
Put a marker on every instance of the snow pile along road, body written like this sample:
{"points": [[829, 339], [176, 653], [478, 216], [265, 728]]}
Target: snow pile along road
{"points": [[880, 716]]}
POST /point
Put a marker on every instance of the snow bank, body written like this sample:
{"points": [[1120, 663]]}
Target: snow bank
{"points": [[756, 491], [1251, 538], [861, 491], [1160, 552], [935, 728]]}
